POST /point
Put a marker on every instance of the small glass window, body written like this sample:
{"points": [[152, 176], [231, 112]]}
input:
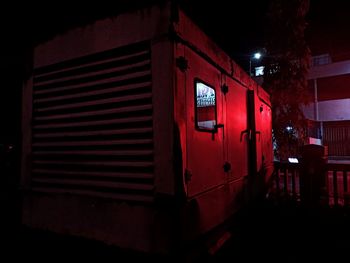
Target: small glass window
{"points": [[205, 101]]}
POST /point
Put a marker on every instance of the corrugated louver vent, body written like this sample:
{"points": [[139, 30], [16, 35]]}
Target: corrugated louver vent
{"points": [[92, 125]]}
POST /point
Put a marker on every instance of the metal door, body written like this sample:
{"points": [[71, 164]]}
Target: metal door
{"points": [[205, 135]]}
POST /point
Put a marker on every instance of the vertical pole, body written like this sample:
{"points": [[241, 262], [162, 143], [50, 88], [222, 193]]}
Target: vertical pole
{"points": [[345, 188], [316, 115], [335, 187], [278, 182], [345, 181], [250, 67], [286, 188], [294, 191]]}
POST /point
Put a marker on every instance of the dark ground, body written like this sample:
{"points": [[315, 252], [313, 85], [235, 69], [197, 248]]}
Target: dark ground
{"points": [[267, 232], [289, 233]]}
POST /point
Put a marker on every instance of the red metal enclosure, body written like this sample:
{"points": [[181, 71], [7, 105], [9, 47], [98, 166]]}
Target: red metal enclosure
{"points": [[140, 132]]}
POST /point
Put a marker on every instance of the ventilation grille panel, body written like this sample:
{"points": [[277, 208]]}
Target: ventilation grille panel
{"points": [[92, 126]]}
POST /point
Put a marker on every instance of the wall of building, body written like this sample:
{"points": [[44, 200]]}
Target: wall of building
{"points": [[330, 86], [330, 109]]}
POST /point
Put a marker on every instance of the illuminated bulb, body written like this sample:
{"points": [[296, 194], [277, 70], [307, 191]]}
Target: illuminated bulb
{"points": [[293, 160], [257, 55]]}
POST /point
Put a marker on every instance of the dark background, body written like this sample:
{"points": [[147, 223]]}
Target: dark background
{"points": [[237, 26]]}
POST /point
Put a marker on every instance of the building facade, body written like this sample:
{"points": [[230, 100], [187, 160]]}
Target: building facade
{"points": [[329, 113]]}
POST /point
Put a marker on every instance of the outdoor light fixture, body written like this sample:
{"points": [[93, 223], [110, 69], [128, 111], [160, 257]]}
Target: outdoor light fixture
{"points": [[293, 160], [256, 56]]}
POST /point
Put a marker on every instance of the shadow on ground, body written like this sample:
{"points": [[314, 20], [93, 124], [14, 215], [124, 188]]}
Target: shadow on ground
{"points": [[265, 232], [287, 232]]}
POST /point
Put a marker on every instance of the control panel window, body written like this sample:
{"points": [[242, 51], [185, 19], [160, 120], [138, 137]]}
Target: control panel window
{"points": [[205, 101]]}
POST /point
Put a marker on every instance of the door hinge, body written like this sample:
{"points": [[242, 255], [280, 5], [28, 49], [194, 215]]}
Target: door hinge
{"points": [[188, 175], [224, 89], [182, 63]]}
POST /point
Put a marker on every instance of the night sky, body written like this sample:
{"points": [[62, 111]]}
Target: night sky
{"points": [[237, 26], [237, 29], [240, 30]]}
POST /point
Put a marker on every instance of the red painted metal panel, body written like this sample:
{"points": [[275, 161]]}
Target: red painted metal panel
{"points": [[263, 117], [205, 152], [236, 123]]}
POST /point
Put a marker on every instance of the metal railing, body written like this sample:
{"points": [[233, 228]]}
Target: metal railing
{"points": [[286, 183]]}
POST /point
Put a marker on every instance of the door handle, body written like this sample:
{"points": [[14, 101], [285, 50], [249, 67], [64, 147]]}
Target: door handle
{"points": [[250, 133], [247, 131], [258, 132], [217, 126]]}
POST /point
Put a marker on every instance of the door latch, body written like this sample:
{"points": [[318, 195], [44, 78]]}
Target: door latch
{"points": [[247, 131], [227, 167], [217, 126]]}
